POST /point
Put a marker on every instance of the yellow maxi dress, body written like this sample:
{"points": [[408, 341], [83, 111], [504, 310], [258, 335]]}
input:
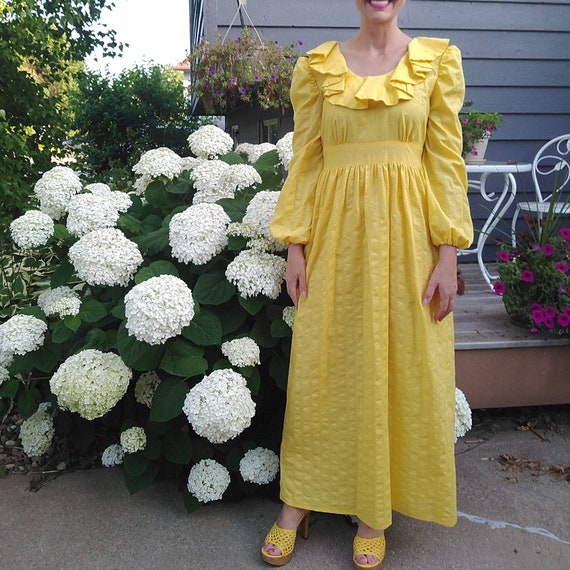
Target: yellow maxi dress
{"points": [[376, 183]]}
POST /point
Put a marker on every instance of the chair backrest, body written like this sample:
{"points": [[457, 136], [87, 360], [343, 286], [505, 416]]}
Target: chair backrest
{"points": [[551, 168]]}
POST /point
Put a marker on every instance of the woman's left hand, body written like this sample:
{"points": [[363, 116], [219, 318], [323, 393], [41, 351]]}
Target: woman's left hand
{"points": [[444, 281]]}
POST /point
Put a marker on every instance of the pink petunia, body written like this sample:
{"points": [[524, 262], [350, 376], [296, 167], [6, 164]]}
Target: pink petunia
{"points": [[479, 120], [537, 316], [565, 233], [547, 249], [490, 127], [563, 319], [561, 266], [535, 306], [464, 121], [549, 312], [533, 330], [549, 323], [504, 255], [499, 287], [527, 276]]}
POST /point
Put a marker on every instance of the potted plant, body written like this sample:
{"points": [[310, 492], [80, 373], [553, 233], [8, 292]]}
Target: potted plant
{"points": [[534, 276], [248, 69], [477, 127]]}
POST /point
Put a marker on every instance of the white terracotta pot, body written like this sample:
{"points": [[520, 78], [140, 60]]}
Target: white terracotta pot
{"points": [[477, 155]]}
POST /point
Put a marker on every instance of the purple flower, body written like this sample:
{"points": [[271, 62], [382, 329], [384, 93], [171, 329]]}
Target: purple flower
{"points": [[243, 90], [561, 266], [536, 306], [499, 287], [464, 121], [565, 233], [547, 249], [256, 77], [212, 72], [300, 43], [527, 276], [533, 330], [537, 316], [549, 323], [549, 312], [272, 77], [504, 255], [535, 247], [563, 319], [233, 80]]}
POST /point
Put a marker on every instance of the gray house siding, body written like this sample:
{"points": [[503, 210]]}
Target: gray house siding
{"points": [[516, 57]]}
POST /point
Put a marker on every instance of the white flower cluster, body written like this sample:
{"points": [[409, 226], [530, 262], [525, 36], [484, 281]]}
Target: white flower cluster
{"points": [[285, 149], [90, 383], [198, 233], [190, 162], [238, 177], [289, 315], [99, 208], [207, 181], [133, 440], [33, 229], [210, 141], [20, 334], [60, 301], [4, 375], [36, 433], [259, 465], [55, 189], [259, 213], [158, 309], [146, 387], [159, 162], [141, 183], [257, 272], [254, 151], [463, 419], [105, 257], [208, 480], [113, 455], [220, 406], [241, 352]]}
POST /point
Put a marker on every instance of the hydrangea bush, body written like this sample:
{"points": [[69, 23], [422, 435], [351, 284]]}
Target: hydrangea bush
{"points": [[162, 339]]}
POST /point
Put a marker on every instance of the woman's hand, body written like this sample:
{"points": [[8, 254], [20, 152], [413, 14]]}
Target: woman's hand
{"points": [[444, 281], [295, 276]]}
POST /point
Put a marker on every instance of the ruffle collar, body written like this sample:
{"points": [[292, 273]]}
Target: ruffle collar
{"points": [[340, 86]]}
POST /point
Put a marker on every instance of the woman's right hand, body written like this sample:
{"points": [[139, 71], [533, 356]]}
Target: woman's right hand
{"points": [[295, 275]]}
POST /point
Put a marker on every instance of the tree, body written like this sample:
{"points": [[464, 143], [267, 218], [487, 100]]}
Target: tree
{"points": [[119, 118], [42, 45]]}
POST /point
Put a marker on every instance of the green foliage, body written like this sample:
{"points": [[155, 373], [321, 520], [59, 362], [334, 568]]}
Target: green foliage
{"points": [[477, 124], [221, 314], [42, 46], [119, 118]]}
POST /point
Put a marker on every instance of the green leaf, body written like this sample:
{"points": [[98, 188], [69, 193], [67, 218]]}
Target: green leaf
{"points": [[261, 333], [9, 389], [136, 354], [153, 242], [61, 275], [280, 329], [118, 310], [254, 382], [177, 448], [184, 359], [135, 464], [205, 329], [143, 481], [168, 400], [61, 333], [232, 317], [72, 322], [235, 208], [233, 158], [152, 448], [252, 304], [143, 274], [60, 232], [267, 162], [47, 356], [213, 289], [279, 370], [33, 311], [163, 267], [92, 310], [191, 503], [181, 187], [233, 458], [202, 449], [95, 338], [236, 243], [151, 223], [28, 402], [129, 224]]}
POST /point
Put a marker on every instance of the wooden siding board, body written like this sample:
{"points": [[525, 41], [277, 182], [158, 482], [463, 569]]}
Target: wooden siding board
{"points": [[523, 99]]}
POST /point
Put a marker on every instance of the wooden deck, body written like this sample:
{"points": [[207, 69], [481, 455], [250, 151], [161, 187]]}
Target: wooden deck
{"points": [[499, 364]]}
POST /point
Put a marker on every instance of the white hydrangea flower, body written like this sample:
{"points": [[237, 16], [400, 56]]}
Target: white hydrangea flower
{"points": [[259, 465], [55, 189], [190, 162], [198, 233], [289, 315], [208, 480], [121, 200], [259, 213], [21, 334], [220, 406], [463, 419], [158, 309], [285, 149], [133, 440], [4, 375], [210, 141], [254, 151], [36, 433], [146, 387], [90, 382], [159, 162], [141, 183], [257, 272], [105, 257], [33, 229], [61, 301], [113, 455], [241, 352], [238, 177], [89, 212], [207, 176]]}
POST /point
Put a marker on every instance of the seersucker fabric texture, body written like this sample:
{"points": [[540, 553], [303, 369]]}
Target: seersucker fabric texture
{"points": [[376, 183]]}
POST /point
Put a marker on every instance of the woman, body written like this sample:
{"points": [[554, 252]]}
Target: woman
{"points": [[373, 210]]}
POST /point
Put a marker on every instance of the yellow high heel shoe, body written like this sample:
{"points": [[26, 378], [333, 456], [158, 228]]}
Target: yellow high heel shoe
{"points": [[369, 547], [284, 539]]}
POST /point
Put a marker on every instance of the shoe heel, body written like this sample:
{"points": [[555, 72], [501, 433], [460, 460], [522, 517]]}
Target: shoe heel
{"points": [[304, 525]]}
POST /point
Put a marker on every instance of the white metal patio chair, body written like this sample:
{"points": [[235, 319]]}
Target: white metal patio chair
{"points": [[550, 175]]}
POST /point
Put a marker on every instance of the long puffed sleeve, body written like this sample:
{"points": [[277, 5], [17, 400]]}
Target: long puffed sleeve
{"points": [[294, 211], [449, 217]]}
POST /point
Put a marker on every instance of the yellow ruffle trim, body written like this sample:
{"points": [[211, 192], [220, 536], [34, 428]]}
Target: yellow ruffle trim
{"points": [[342, 87]]}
